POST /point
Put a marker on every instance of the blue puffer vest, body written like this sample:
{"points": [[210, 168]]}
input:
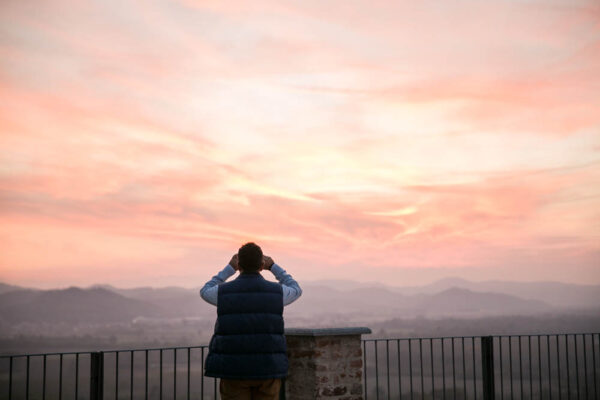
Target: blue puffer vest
{"points": [[248, 342]]}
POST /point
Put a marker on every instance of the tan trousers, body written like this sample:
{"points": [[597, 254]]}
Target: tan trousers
{"points": [[260, 389]]}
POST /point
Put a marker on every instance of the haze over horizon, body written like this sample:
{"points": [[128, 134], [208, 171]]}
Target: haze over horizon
{"points": [[421, 278], [142, 143]]}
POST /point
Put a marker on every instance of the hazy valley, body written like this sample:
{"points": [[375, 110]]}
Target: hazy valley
{"points": [[102, 316]]}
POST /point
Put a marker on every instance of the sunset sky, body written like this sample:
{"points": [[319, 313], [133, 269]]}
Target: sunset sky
{"points": [[142, 142]]}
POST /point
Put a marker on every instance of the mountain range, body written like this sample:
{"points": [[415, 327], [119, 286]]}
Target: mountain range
{"points": [[72, 305], [321, 304], [558, 294]]}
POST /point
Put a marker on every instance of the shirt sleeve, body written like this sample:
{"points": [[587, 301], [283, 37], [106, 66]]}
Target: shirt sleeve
{"points": [[210, 290], [291, 289]]}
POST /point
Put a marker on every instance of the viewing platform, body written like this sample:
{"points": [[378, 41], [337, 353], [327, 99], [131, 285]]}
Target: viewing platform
{"points": [[330, 363]]}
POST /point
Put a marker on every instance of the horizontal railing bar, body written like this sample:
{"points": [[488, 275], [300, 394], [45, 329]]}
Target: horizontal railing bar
{"points": [[46, 354], [478, 336], [101, 351], [546, 334], [422, 338], [154, 349], [112, 351]]}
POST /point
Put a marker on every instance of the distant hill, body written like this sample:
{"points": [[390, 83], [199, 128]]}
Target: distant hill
{"points": [[174, 301], [557, 294], [72, 305], [458, 301], [377, 303], [4, 288]]}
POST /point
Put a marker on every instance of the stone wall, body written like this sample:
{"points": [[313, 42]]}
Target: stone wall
{"points": [[325, 364]]}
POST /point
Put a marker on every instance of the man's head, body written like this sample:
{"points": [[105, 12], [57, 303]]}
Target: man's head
{"points": [[250, 258]]}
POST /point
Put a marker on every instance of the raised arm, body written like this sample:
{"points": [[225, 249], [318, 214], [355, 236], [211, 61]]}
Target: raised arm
{"points": [[291, 288], [210, 290]]}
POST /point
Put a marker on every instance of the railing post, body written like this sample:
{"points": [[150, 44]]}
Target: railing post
{"points": [[96, 375], [487, 367]]}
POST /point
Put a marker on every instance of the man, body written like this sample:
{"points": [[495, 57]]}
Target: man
{"points": [[248, 349]]}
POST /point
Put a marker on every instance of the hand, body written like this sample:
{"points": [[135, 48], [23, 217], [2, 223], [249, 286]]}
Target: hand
{"points": [[234, 262], [267, 262]]}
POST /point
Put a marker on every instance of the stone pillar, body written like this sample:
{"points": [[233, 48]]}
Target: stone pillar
{"points": [[325, 363]]}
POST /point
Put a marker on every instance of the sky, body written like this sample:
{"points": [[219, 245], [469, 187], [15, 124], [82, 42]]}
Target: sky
{"points": [[143, 142]]}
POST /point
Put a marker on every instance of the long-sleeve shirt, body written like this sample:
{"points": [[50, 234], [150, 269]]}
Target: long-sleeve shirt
{"points": [[291, 289]]}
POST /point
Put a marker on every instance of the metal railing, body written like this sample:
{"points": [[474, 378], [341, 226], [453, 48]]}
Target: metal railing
{"points": [[466, 367], [169, 373], [490, 367]]}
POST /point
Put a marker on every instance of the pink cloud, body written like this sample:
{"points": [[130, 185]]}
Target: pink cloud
{"points": [[168, 134]]}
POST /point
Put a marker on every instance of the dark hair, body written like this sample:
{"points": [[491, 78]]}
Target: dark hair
{"points": [[250, 257]]}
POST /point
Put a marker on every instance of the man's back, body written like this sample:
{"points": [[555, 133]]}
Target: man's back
{"points": [[248, 349], [248, 342]]}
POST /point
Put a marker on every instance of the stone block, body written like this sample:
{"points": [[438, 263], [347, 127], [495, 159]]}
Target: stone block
{"points": [[325, 363]]}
